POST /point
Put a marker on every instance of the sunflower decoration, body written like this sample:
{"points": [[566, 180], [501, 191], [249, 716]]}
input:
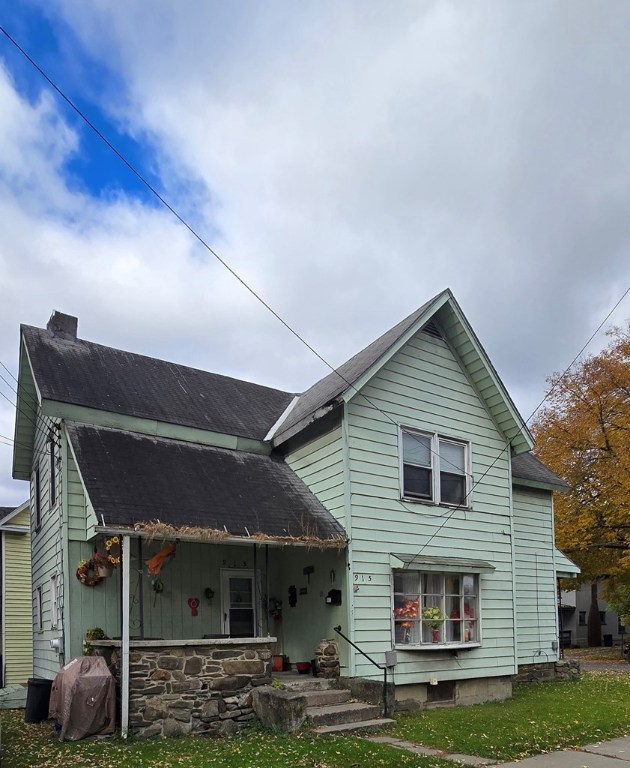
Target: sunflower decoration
{"points": [[112, 547]]}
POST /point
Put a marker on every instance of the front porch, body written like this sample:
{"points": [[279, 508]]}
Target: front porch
{"points": [[203, 631]]}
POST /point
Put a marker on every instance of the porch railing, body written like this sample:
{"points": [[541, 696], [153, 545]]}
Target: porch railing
{"points": [[383, 667]]}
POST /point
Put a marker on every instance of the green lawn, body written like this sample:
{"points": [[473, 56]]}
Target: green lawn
{"points": [[36, 746], [539, 718]]}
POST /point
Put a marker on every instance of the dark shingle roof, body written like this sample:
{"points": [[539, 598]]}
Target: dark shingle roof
{"points": [[330, 387], [83, 373], [132, 478], [4, 511], [528, 467]]}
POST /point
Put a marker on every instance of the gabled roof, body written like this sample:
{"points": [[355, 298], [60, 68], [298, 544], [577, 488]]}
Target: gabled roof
{"points": [[132, 478], [350, 377], [328, 389], [530, 471], [7, 514], [71, 370]]}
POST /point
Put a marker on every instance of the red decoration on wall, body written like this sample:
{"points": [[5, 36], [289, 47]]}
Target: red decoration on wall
{"points": [[193, 604]]}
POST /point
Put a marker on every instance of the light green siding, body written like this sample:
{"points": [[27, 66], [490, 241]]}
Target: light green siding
{"points": [[77, 502], [47, 555], [26, 410], [311, 619], [319, 464], [424, 386], [16, 600], [536, 595]]}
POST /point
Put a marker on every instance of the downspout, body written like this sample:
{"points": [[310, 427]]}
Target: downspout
{"points": [[513, 559], [124, 645], [556, 585], [347, 502]]}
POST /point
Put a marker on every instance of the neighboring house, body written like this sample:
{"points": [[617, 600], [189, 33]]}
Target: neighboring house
{"points": [[575, 606], [402, 481], [16, 591]]}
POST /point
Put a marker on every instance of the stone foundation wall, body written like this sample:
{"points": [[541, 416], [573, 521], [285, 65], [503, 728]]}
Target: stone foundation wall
{"points": [[566, 669], [175, 690]]}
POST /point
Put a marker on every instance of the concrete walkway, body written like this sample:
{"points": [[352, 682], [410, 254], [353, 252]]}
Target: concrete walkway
{"points": [[607, 754]]}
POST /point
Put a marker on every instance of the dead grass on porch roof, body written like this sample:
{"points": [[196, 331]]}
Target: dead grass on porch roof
{"points": [[158, 530]]}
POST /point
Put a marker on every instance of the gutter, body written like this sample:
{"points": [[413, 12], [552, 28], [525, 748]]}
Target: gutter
{"points": [[232, 540]]}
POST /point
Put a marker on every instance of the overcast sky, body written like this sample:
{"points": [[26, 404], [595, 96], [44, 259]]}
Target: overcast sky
{"points": [[348, 160]]}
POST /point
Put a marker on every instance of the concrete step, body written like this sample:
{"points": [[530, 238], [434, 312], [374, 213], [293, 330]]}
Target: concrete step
{"points": [[326, 696], [336, 714], [305, 683], [362, 725]]}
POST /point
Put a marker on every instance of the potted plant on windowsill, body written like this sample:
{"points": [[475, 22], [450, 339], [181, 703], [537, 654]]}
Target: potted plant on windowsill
{"points": [[433, 618]]}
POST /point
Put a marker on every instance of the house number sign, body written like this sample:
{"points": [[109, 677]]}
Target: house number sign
{"points": [[363, 578]]}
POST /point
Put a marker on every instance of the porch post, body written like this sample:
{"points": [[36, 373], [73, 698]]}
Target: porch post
{"points": [[124, 645]]}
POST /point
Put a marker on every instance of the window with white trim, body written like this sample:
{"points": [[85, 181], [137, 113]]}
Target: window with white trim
{"points": [[54, 597], [52, 470], [434, 468], [38, 619], [37, 498], [432, 607]]}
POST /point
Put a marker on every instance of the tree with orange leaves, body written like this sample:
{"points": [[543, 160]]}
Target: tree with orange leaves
{"points": [[583, 434]]}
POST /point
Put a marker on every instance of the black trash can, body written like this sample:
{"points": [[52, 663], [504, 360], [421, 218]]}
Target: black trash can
{"points": [[37, 700], [608, 641]]}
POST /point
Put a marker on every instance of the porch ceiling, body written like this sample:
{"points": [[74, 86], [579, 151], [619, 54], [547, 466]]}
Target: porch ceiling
{"points": [[134, 479]]}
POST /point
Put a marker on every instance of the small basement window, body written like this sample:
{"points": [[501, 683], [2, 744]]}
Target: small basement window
{"points": [[444, 691]]}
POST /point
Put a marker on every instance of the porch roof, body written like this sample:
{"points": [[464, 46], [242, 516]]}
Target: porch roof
{"points": [[134, 479]]}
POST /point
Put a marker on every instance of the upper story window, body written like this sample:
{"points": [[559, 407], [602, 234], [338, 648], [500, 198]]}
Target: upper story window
{"points": [[52, 470], [434, 468], [436, 608], [37, 500]]}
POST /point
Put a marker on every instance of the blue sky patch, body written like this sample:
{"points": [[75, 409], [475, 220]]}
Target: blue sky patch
{"points": [[94, 169]]}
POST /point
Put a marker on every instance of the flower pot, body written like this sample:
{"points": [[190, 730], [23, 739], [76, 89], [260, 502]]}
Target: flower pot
{"points": [[303, 667], [277, 663], [436, 635]]}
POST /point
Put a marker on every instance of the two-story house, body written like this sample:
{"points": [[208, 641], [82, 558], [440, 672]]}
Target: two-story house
{"points": [[397, 498]]}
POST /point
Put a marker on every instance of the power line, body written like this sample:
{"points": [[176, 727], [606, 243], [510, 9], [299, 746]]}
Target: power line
{"points": [[571, 364], [183, 221], [256, 295]]}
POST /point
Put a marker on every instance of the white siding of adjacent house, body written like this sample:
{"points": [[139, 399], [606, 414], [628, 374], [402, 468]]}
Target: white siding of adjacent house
{"points": [[536, 595], [424, 386]]}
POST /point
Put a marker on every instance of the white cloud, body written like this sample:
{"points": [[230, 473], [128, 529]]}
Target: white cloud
{"points": [[348, 161]]}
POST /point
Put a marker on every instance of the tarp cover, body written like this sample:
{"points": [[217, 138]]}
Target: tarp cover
{"points": [[83, 699]]}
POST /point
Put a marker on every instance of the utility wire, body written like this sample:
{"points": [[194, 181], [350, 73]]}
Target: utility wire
{"points": [[572, 363], [181, 219], [256, 295]]}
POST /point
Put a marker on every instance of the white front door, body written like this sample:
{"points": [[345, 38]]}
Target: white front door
{"points": [[237, 603]]}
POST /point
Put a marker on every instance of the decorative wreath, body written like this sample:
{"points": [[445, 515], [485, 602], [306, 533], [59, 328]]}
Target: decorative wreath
{"points": [[87, 573], [113, 550]]}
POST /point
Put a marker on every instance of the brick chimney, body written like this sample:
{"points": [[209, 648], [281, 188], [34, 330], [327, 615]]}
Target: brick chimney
{"points": [[62, 325]]}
